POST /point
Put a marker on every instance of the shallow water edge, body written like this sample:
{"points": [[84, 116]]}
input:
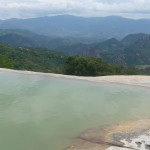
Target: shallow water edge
{"points": [[140, 80]]}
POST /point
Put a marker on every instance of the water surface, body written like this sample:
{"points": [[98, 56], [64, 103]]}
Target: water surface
{"points": [[45, 113]]}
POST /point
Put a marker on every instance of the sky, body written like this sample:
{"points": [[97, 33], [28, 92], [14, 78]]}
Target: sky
{"points": [[86, 8]]}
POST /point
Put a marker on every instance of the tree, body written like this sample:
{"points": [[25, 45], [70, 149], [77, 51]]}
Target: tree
{"points": [[5, 62], [87, 66]]}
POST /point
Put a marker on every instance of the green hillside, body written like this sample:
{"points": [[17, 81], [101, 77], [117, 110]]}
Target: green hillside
{"points": [[43, 60], [34, 59], [134, 49], [25, 38], [91, 66]]}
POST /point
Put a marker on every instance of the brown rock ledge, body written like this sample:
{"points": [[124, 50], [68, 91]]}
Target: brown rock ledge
{"points": [[113, 136]]}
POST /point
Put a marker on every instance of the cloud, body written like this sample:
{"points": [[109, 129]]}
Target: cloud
{"points": [[38, 8]]}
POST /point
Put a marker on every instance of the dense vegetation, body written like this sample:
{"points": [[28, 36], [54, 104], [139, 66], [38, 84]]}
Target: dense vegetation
{"points": [[5, 62], [143, 69], [90, 66], [33, 59]]}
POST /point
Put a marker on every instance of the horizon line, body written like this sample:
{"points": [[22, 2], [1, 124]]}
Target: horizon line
{"points": [[72, 15]]}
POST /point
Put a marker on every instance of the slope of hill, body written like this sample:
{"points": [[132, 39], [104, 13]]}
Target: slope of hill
{"points": [[108, 45], [20, 37], [134, 49], [73, 26], [33, 59], [139, 51], [133, 38], [43, 60]]}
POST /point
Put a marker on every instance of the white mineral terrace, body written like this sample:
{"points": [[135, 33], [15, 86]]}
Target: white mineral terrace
{"points": [[139, 143]]}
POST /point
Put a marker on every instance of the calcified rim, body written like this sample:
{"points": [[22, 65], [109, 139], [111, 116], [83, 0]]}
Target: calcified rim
{"points": [[123, 136], [140, 80]]}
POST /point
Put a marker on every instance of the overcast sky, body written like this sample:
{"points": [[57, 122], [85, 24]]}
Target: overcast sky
{"points": [[38, 8]]}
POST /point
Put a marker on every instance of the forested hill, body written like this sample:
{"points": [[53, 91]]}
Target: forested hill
{"points": [[20, 37], [43, 60], [134, 49], [34, 59]]}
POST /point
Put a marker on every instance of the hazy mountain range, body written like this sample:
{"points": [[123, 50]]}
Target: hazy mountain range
{"points": [[98, 37], [134, 49], [21, 37], [72, 26]]}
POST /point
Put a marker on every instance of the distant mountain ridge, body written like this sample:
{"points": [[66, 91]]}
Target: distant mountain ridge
{"points": [[73, 26], [20, 37]]}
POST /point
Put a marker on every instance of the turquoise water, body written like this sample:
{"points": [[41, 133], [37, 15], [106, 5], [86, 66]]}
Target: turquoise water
{"points": [[46, 113]]}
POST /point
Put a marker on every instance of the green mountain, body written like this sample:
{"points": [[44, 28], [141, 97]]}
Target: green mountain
{"points": [[43, 60], [133, 38], [134, 49], [20, 37], [138, 53], [34, 59], [92, 49]]}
